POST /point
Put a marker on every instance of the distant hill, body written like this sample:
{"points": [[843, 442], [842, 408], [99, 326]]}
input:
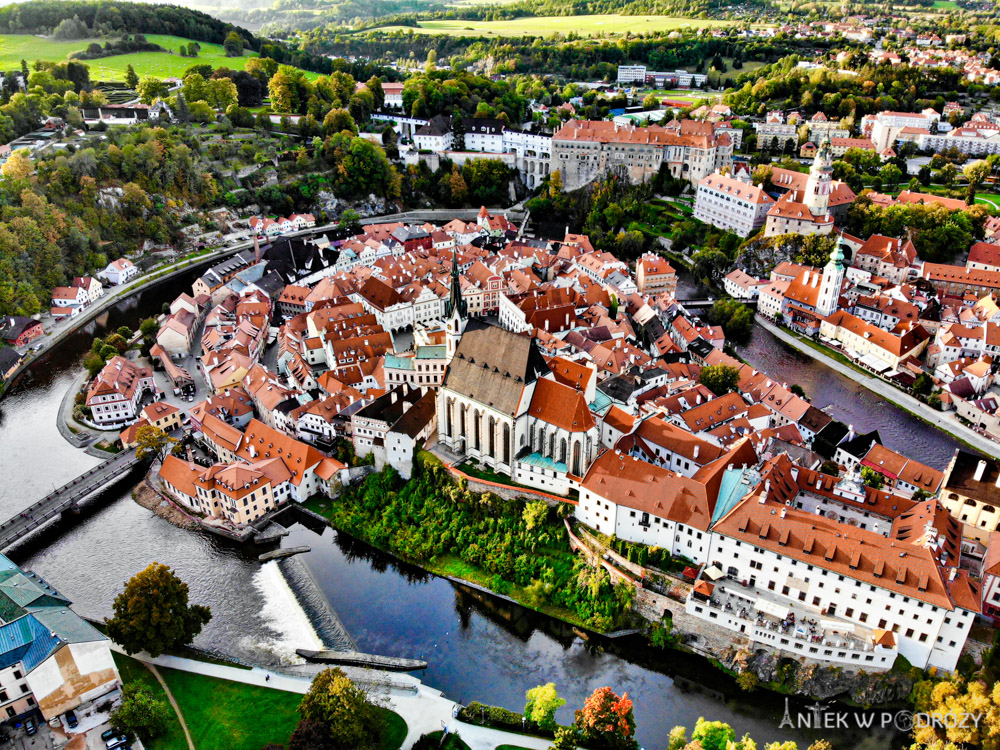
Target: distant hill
{"points": [[108, 17]]}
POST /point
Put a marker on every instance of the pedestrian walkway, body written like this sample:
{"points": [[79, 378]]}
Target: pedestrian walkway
{"points": [[173, 703], [422, 707], [938, 419]]}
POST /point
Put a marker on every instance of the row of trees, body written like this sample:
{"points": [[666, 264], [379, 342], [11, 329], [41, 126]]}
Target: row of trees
{"points": [[516, 543]]}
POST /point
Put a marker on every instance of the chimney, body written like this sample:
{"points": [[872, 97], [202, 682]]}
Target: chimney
{"points": [[696, 448], [980, 470]]}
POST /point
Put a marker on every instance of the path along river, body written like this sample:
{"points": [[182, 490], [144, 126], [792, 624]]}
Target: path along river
{"points": [[478, 650]]}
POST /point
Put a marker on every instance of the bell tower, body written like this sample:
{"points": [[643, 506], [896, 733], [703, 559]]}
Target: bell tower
{"points": [[833, 281], [820, 182]]}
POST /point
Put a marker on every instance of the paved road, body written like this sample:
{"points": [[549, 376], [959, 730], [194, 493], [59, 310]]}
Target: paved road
{"points": [[941, 420], [64, 497], [423, 708]]}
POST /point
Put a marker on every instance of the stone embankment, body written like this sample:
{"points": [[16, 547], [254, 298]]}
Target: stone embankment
{"points": [[150, 499]]}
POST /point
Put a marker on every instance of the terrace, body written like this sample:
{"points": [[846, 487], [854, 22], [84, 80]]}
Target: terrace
{"points": [[773, 620]]}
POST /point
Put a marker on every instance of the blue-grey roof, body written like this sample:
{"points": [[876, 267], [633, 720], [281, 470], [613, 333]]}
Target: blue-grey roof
{"points": [[432, 351], [393, 362], [35, 619]]}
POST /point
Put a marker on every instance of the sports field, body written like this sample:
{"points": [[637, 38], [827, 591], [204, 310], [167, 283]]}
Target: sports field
{"points": [[17, 47], [611, 23]]}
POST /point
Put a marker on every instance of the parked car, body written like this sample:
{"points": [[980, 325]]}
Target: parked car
{"points": [[71, 720], [30, 727], [107, 734], [116, 742]]}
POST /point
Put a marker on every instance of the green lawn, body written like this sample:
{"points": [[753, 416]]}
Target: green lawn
{"points": [[611, 23], [134, 671], [17, 47], [452, 743], [226, 715]]}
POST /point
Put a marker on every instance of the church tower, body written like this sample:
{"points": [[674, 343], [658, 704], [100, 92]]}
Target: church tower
{"points": [[833, 281], [456, 310], [820, 182]]}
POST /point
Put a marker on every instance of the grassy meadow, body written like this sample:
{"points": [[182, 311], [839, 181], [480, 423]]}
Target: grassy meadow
{"points": [[17, 47]]}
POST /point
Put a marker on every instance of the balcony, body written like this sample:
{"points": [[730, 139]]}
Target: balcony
{"points": [[774, 621]]}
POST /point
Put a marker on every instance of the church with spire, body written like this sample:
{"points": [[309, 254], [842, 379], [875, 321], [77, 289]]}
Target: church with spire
{"points": [[456, 310]]}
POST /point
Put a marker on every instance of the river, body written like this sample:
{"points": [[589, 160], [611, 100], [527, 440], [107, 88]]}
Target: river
{"points": [[477, 649]]}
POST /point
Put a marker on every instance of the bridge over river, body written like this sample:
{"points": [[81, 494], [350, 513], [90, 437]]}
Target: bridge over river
{"points": [[67, 498]]}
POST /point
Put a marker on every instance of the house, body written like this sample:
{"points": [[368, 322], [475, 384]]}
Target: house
{"points": [[162, 415], [53, 661], [635, 500], [10, 360], [114, 395], [654, 275], [120, 271], [870, 345], [18, 330], [733, 204], [970, 490], [741, 285], [67, 301], [261, 442], [93, 287], [872, 597]]}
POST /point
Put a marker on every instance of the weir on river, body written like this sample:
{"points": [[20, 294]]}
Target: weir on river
{"points": [[343, 595]]}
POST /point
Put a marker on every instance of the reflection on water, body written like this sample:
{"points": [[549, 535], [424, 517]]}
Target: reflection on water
{"points": [[486, 649], [478, 648]]}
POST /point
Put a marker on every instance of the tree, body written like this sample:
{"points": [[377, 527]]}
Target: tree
{"points": [[748, 681], [311, 735], [152, 614], [18, 165], [734, 317], [975, 173], [119, 342], [709, 266], [131, 77], [542, 704], [713, 735], [720, 379], [350, 221], [344, 708], [948, 174], [890, 175], [140, 713], [607, 720], [233, 45], [651, 101], [151, 441], [566, 738], [830, 468], [923, 384], [798, 390], [150, 89], [872, 478]]}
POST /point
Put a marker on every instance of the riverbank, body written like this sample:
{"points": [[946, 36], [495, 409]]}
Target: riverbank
{"points": [[879, 387], [422, 708]]}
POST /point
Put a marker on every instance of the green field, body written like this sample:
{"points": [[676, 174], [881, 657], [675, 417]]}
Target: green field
{"points": [[612, 23], [225, 715], [131, 671], [17, 47]]}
